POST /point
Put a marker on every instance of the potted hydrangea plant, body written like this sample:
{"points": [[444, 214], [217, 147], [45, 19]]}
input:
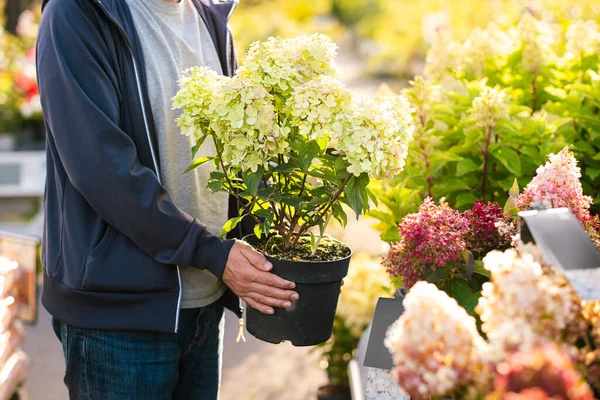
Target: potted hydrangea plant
{"points": [[293, 146]]}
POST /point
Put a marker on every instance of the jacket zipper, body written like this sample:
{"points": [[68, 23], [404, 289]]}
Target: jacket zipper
{"points": [[145, 116]]}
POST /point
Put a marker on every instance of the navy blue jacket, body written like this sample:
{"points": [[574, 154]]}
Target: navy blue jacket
{"points": [[113, 238]]}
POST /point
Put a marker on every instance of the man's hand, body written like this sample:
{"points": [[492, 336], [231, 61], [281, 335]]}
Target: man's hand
{"points": [[247, 274]]}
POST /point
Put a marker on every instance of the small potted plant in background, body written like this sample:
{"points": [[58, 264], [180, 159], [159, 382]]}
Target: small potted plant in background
{"points": [[293, 146]]}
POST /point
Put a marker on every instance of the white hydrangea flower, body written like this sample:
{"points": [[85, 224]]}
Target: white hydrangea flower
{"points": [[238, 111], [377, 139], [282, 64], [483, 45], [194, 98], [443, 56], [490, 107], [536, 38], [423, 95], [245, 120], [435, 344], [319, 107], [583, 38], [381, 385]]}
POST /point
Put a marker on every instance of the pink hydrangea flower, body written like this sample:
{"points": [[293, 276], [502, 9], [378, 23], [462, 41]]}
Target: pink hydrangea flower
{"points": [[484, 221], [432, 238], [545, 373], [557, 182]]}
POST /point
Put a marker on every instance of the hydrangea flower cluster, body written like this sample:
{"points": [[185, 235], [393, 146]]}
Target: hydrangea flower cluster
{"points": [[436, 237], [481, 46], [442, 57], [527, 302], [283, 64], [544, 373], [484, 221], [377, 138], [536, 39], [591, 354], [557, 182], [433, 238], [246, 121], [435, 345], [288, 84], [423, 95], [489, 107], [238, 111], [198, 85], [316, 105], [583, 38]]}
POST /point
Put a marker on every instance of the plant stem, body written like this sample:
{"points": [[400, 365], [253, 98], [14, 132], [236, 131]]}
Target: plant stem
{"points": [[322, 233], [533, 94], [486, 155], [233, 191], [320, 218]]}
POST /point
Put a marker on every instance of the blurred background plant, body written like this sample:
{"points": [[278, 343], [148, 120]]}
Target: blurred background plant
{"points": [[20, 108]]}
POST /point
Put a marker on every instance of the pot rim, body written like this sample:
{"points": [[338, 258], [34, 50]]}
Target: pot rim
{"points": [[305, 261]]}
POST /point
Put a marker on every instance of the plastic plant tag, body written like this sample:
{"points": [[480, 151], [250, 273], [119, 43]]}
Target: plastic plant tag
{"points": [[565, 244], [386, 313]]}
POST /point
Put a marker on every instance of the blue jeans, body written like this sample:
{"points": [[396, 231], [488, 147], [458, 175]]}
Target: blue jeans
{"points": [[120, 365]]}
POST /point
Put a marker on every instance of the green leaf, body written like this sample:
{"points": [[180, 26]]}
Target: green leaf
{"points": [[339, 214], [268, 217], [198, 144], [592, 173], [252, 180], [465, 199], [353, 192], [286, 167], [514, 190], [391, 235], [197, 163], [258, 230], [291, 200], [465, 166], [533, 153], [437, 275], [308, 151], [266, 192], [231, 224], [513, 195], [460, 291], [479, 269], [442, 157], [509, 159], [215, 185], [313, 241]]}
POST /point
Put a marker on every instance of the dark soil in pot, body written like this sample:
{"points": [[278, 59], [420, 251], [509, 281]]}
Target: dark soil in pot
{"points": [[310, 319], [334, 392]]}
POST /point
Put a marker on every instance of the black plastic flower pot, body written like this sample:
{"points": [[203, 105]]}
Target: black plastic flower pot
{"points": [[310, 319]]}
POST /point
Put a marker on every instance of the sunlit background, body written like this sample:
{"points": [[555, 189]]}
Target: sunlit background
{"points": [[380, 42]]}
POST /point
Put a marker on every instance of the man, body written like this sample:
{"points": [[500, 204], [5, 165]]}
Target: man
{"points": [[133, 273]]}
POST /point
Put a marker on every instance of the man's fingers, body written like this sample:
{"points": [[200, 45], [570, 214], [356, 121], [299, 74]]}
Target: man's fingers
{"points": [[268, 279], [274, 292], [259, 307], [270, 301], [258, 260]]}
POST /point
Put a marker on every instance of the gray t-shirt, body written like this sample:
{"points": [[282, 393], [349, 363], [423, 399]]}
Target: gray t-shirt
{"points": [[174, 38]]}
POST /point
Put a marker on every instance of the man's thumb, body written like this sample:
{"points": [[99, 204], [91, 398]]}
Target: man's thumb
{"points": [[258, 260]]}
